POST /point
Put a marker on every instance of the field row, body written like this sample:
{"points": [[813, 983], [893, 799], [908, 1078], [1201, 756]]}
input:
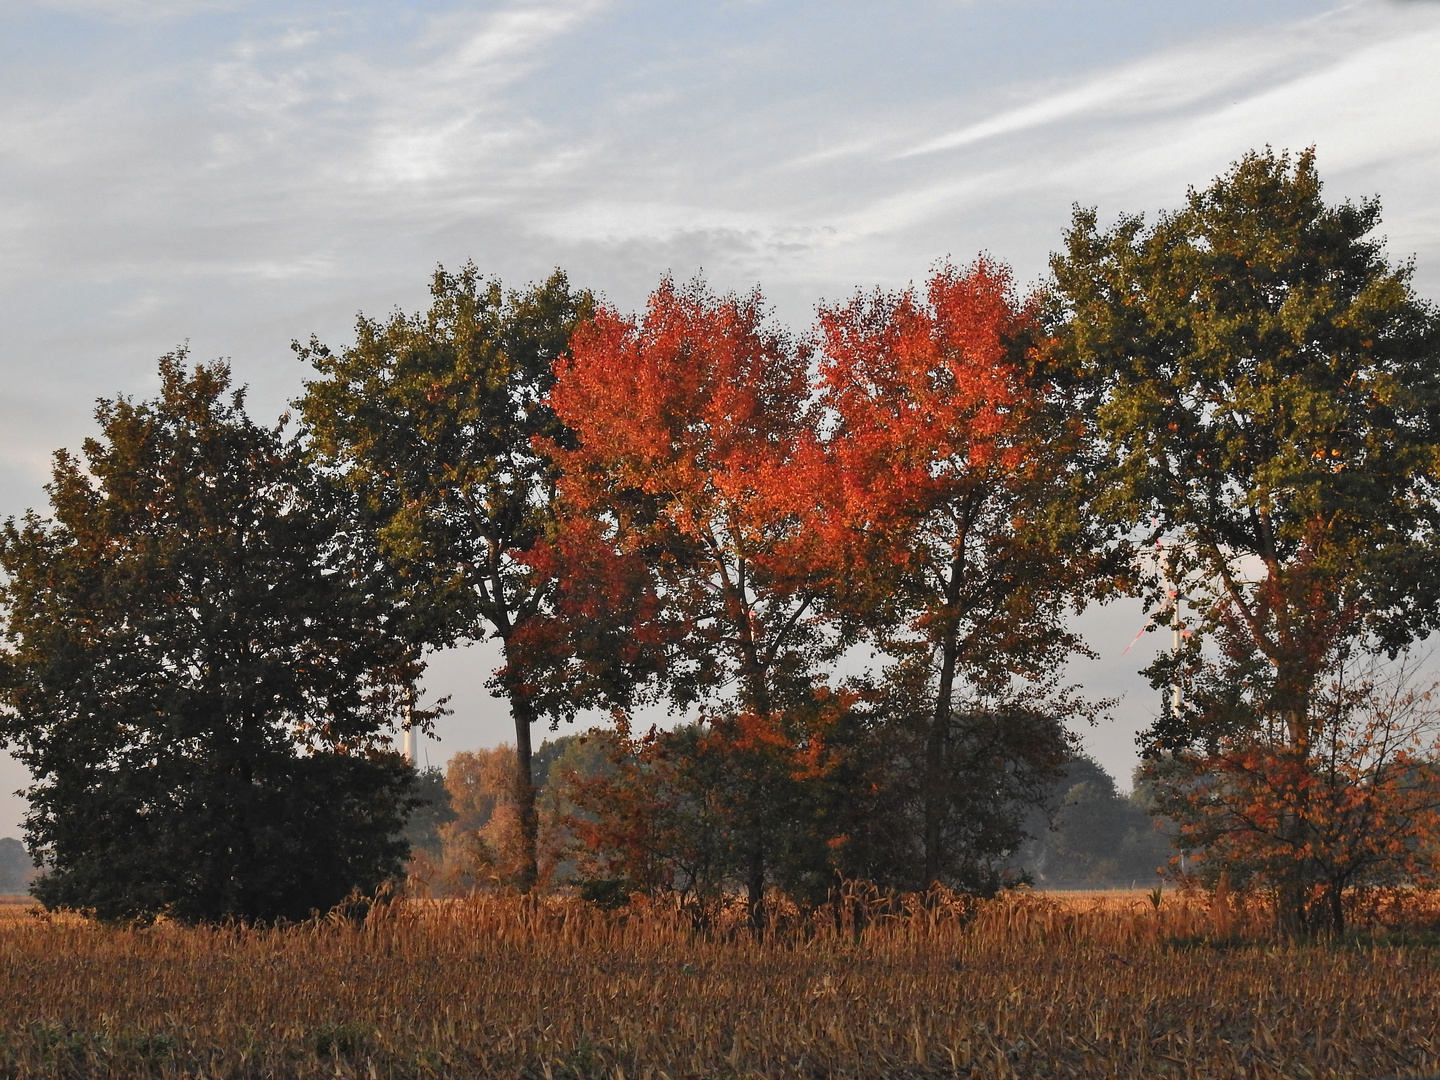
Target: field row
{"points": [[1024, 987]]}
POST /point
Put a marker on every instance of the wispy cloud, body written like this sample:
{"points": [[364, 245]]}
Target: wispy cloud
{"points": [[140, 10], [1357, 84]]}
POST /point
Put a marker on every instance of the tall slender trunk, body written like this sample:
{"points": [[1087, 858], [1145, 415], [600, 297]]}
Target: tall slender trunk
{"points": [[755, 677], [755, 892], [935, 739], [1292, 897], [933, 796], [524, 715], [525, 796]]}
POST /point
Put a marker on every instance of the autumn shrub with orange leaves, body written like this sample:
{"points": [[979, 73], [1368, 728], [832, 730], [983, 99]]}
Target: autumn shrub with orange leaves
{"points": [[1354, 809]]}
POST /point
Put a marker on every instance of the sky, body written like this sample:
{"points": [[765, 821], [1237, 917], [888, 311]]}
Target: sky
{"points": [[236, 176]]}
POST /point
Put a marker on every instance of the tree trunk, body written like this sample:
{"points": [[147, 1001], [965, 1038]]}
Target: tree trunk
{"points": [[524, 716], [1290, 906], [1292, 909], [933, 795], [935, 739], [755, 893]]}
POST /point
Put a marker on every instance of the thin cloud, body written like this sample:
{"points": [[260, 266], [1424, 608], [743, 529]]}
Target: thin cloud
{"points": [[140, 11], [1207, 79]]}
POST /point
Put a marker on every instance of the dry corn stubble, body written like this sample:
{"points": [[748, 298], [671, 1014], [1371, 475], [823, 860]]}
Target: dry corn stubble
{"points": [[503, 986]]}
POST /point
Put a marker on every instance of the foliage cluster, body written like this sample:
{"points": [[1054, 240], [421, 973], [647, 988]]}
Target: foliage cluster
{"points": [[1080, 835], [203, 669], [16, 867], [1088, 836]]}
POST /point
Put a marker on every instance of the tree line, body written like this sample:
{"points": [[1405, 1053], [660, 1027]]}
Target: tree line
{"points": [[1081, 833], [1233, 413]]}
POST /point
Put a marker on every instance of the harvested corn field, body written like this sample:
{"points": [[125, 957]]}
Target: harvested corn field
{"points": [[1026, 987]]}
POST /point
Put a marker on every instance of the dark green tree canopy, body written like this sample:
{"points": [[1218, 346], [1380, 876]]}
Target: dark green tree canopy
{"points": [[1268, 387], [201, 670], [431, 421]]}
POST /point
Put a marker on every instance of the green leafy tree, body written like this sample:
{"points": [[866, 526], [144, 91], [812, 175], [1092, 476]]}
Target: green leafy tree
{"points": [[201, 671], [996, 766], [430, 419], [1268, 389], [432, 811], [1089, 836]]}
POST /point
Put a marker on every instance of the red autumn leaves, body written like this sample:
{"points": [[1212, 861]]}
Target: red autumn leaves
{"points": [[769, 502], [910, 466]]}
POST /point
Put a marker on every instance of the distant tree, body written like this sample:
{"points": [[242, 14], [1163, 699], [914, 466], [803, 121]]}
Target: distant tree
{"points": [[430, 420], [690, 427], [16, 866], [475, 818], [996, 767], [431, 811], [483, 844], [954, 534], [1092, 837], [579, 754], [1268, 391], [562, 766], [202, 671]]}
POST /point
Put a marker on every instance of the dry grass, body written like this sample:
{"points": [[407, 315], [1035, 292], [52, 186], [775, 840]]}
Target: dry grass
{"points": [[1086, 985]]}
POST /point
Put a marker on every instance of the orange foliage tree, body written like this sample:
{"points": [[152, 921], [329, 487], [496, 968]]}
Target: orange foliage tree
{"points": [[691, 428], [953, 531]]}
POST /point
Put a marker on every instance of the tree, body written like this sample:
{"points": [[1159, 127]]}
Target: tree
{"points": [[430, 813], [476, 824], [686, 810], [1268, 394], [16, 866], [201, 671], [996, 767], [690, 430], [484, 843], [1089, 836], [1361, 810], [954, 533], [429, 419]]}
